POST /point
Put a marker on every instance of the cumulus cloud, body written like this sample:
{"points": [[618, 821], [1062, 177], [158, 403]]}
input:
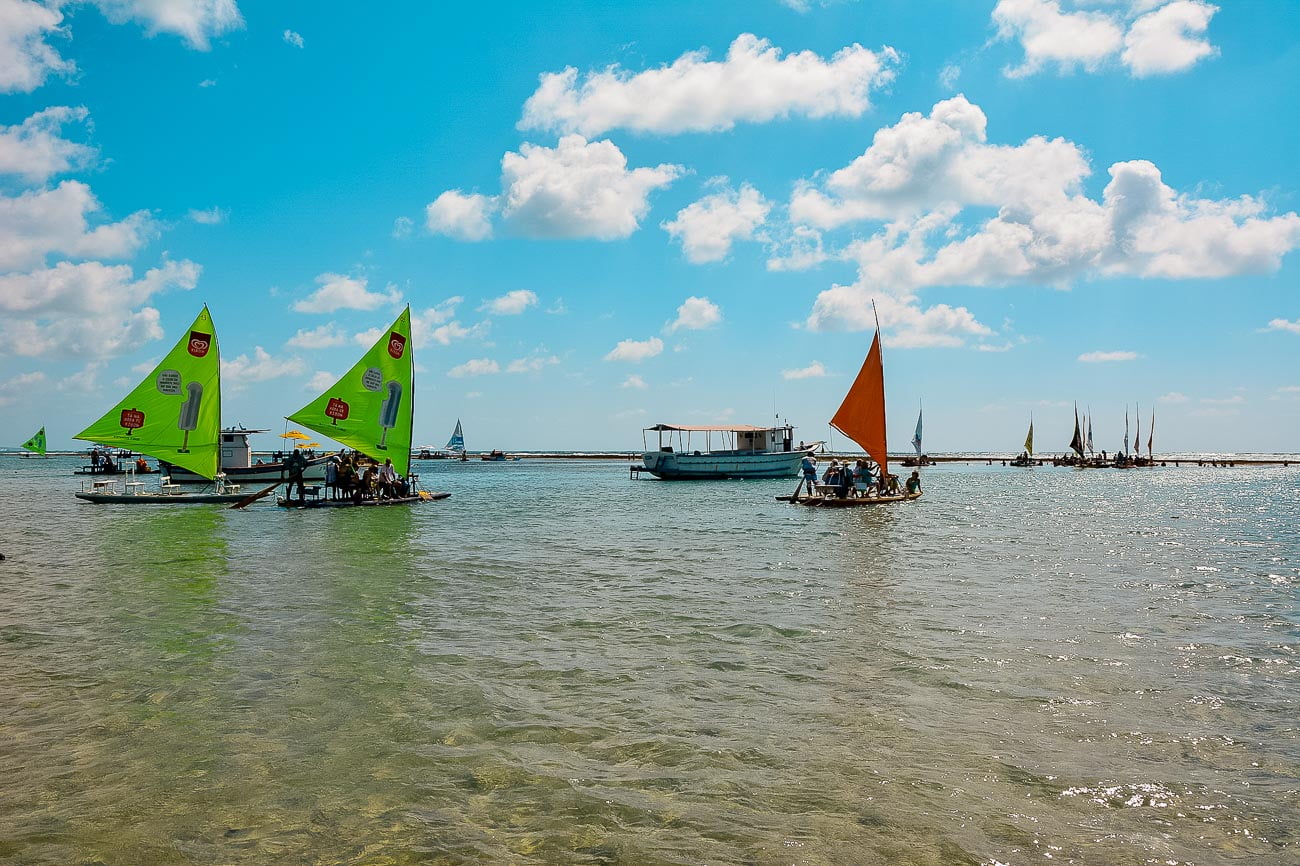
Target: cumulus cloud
{"points": [[88, 288], [321, 337], [453, 330], [532, 364], [195, 21], [908, 324], [339, 292], [511, 303], [1283, 325], [815, 370], [293, 38], [634, 381], [695, 314], [756, 83], [707, 228], [403, 226], [42, 222], [475, 367], [1148, 37], [577, 189], [261, 366], [461, 216], [22, 387], [635, 350], [211, 217], [26, 59], [35, 149], [921, 173], [1107, 357]]}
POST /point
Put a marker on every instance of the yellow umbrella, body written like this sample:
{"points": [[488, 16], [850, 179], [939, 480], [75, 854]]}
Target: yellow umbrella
{"points": [[295, 434]]}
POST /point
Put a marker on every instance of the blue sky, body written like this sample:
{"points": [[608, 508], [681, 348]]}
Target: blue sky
{"points": [[606, 215]]}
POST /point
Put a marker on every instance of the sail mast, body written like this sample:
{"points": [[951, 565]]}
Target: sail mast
{"points": [[861, 416]]}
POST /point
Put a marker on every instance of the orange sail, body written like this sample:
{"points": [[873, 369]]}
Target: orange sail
{"points": [[861, 416]]}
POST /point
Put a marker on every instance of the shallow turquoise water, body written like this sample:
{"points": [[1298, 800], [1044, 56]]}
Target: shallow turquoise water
{"points": [[561, 665]]}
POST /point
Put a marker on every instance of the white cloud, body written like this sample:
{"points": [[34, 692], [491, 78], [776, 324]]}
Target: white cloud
{"points": [[1234, 400], [195, 21], [403, 226], [948, 76], [511, 303], [634, 381], [35, 149], [1149, 37], [1107, 357], [211, 217], [907, 323], [208, 82], [89, 288], [475, 367], [448, 333], [321, 337], [532, 364], [319, 381], [578, 189], [815, 370], [21, 387], [238, 371], [473, 395], [1283, 325], [292, 38], [339, 292], [755, 83], [696, 314], [635, 351], [84, 381], [1169, 39], [37, 223], [924, 171], [26, 60], [991, 347], [84, 310], [1173, 397], [802, 250], [461, 216], [708, 227]]}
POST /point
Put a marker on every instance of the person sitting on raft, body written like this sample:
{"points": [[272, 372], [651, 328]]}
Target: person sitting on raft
{"points": [[914, 483]]}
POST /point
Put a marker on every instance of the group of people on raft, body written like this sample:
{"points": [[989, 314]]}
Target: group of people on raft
{"points": [[104, 464], [855, 479], [350, 475]]}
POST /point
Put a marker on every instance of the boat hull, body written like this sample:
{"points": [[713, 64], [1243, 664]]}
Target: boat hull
{"points": [[849, 502], [365, 503], [672, 466], [264, 473], [160, 498]]}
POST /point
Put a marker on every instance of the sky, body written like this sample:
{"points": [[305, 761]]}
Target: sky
{"points": [[610, 214]]}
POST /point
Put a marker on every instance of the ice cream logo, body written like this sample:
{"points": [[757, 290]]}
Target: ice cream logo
{"points": [[336, 409], [132, 419], [396, 344], [199, 343]]}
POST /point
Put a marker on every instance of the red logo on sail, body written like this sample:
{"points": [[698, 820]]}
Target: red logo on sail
{"points": [[396, 344], [132, 419], [336, 409], [199, 343]]}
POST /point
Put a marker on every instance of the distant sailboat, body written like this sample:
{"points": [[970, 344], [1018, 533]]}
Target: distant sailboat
{"points": [[456, 444], [1026, 457], [916, 437], [35, 446], [370, 409], [1077, 445], [861, 417], [1151, 436], [174, 415]]}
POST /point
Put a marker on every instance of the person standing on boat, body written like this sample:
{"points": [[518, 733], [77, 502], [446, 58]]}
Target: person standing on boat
{"points": [[809, 466], [332, 477], [94, 460], [295, 466]]}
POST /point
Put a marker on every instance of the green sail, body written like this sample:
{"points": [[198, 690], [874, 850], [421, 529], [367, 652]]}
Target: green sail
{"points": [[369, 409], [36, 443], [175, 413]]}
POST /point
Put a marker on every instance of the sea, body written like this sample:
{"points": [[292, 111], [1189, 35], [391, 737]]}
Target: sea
{"points": [[561, 664]]}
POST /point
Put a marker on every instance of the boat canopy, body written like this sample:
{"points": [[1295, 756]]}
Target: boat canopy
{"points": [[721, 428]]}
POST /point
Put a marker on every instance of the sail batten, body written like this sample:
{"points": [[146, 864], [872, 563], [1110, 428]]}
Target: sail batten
{"points": [[175, 413], [369, 408], [861, 416]]}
